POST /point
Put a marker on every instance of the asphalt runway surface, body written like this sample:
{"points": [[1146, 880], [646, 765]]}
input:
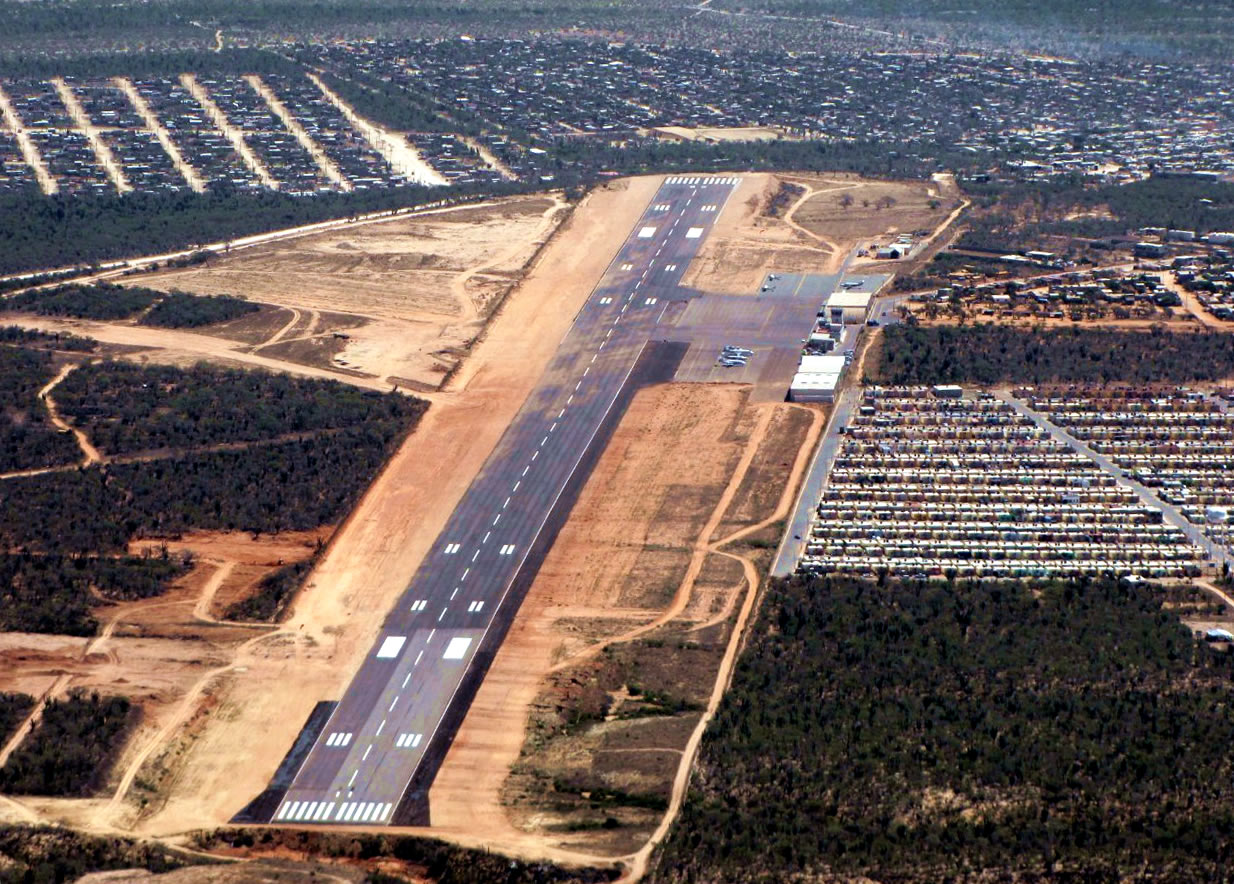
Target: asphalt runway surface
{"points": [[372, 761]]}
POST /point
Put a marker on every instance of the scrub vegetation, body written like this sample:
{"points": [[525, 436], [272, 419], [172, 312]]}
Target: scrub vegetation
{"points": [[71, 749], [957, 731], [992, 354]]}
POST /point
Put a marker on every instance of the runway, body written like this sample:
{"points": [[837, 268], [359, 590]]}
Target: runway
{"points": [[372, 761]]}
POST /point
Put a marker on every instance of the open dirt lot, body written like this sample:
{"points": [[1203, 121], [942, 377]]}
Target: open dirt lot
{"points": [[396, 302], [824, 212], [747, 241], [795, 223]]}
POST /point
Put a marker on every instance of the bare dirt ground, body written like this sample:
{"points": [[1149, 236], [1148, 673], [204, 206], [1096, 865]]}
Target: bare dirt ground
{"points": [[746, 241], [868, 216], [423, 286], [713, 133], [400, 302], [152, 651], [811, 233]]}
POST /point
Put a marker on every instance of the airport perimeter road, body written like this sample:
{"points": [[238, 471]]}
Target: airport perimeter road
{"points": [[1173, 515], [373, 761], [794, 542]]}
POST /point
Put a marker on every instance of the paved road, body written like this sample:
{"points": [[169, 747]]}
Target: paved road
{"points": [[1172, 514], [794, 543], [375, 757]]}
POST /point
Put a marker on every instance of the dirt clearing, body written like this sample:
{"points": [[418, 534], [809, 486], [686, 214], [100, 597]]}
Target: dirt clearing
{"points": [[397, 302]]}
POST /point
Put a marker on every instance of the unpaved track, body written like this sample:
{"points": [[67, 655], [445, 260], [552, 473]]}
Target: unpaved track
{"points": [[195, 345], [639, 861], [292, 125], [201, 610], [233, 134], [155, 126], [494, 162], [29, 150], [404, 159], [23, 730], [90, 454], [106, 814], [102, 151]]}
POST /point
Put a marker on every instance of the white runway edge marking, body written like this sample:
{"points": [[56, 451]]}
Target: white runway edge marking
{"points": [[391, 646], [457, 647]]}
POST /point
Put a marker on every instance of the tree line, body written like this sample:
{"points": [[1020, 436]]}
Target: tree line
{"points": [[182, 310], [991, 354]]}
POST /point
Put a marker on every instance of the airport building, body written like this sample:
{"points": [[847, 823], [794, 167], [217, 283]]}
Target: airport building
{"points": [[847, 307], [817, 378]]}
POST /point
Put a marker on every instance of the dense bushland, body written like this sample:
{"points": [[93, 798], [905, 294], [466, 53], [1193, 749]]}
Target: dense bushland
{"points": [[13, 710], [991, 354], [125, 408], [182, 310], [101, 300], [28, 438], [289, 486], [55, 593], [923, 732], [54, 853], [71, 749]]}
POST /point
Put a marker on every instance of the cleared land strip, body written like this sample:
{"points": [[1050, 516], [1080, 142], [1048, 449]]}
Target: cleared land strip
{"points": [[324, 163], [187, 172], [494, 161], [89, 453], [102, 151], [234, 135], [402, 157], [29, 152]]}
